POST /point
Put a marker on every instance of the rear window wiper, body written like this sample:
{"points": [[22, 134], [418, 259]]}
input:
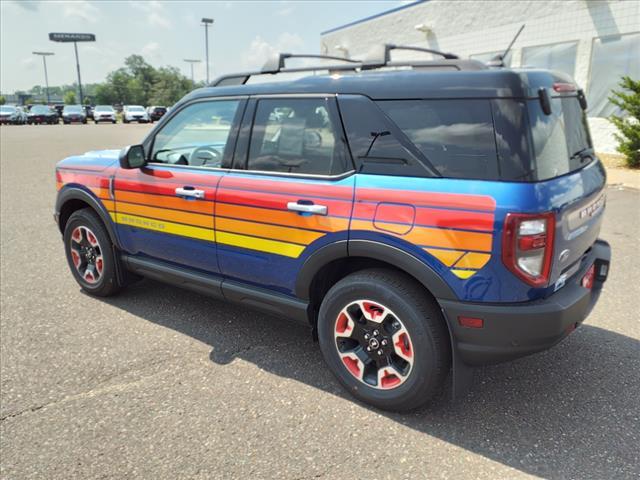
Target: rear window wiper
{"points": [[583, 154]]}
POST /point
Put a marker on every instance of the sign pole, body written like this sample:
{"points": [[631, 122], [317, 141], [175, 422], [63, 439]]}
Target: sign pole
{"points": [[75, 46]]}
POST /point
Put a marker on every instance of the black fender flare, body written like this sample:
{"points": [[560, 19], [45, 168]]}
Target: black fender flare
{"points": [[75, 193], [376, 251]]}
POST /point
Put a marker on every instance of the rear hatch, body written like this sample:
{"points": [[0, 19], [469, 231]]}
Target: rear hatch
{"points": [[571, 178]]}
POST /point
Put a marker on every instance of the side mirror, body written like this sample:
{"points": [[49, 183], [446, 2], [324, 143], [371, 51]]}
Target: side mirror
{"points": [[582, 99], [132, 157]]}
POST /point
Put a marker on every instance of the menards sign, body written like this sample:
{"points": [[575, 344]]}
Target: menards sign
{"points": [[72, 37]]}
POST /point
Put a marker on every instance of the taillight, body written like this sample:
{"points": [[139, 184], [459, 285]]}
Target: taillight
{"points": [[527, 246]]}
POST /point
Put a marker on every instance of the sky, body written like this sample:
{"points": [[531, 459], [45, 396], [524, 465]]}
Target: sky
{"points": [[244, 34]]}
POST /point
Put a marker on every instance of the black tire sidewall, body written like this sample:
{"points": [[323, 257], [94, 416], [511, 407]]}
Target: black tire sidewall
{"points": [[108, 282], [422, 382]]}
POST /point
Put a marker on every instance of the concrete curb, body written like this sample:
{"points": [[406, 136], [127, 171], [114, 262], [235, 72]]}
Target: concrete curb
{"points": [[623, 177]]}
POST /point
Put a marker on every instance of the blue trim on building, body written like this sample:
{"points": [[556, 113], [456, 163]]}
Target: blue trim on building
{"points": [[366, 19]]}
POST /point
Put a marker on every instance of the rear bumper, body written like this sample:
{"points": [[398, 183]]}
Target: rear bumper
{"points": [[515, 330]]}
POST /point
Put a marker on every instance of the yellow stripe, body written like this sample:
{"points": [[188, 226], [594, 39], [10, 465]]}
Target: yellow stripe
{"points": [[448, 257], [164, 227], [473, 260], [260, 244], [464, 274], [195, 219], [268, 231]]}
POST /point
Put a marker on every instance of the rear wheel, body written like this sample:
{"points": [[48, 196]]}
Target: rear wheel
{"points": [[90, 253], [384, 339]]}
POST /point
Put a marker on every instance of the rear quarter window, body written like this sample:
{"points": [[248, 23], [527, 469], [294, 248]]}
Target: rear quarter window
{"points": [[456, 136]]}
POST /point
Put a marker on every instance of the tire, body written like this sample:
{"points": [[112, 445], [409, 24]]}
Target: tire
{"points": [[113, 121], [410, 322], [101, 279]]}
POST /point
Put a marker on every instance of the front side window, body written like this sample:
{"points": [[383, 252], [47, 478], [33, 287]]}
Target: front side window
{"points": [[561, 57], [197, 135], [296, 135], [456, 136]]}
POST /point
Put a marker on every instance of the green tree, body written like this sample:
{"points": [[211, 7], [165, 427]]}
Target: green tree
{"points": [[169, 87], [70, 98], [2, 100], [628, 100]]}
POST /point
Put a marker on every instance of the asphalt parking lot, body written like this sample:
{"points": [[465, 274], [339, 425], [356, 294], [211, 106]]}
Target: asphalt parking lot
{"points": [[162, 383]]}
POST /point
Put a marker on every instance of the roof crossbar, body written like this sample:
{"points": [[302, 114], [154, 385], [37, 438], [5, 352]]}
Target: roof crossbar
{"points": [[381, 56], [277, 63]]}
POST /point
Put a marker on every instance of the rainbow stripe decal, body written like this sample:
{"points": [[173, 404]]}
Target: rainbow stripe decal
{"points": [[251, 213]]}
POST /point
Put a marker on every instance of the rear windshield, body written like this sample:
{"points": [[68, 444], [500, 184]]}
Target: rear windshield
{"points": [[559, 139], [7, 109], [73, 109], [104, 108], [40, 109]]}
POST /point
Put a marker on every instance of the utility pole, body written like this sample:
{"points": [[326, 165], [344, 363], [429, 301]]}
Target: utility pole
{"points": [[44, 56], [191, 62], [205, 23]]}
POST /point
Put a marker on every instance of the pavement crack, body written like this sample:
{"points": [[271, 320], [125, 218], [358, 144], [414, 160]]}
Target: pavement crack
{"points": [[99, 389]]}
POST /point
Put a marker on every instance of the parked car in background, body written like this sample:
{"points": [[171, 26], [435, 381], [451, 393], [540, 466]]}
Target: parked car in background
{"points": [[42, 114], [156, 112], [104, 113], [88, 110], [134, 113], [73, 113], [10, 114]]}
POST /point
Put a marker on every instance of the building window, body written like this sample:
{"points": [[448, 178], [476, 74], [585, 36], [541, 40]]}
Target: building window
{"points": [[611, 58], [560, 56], [486, 57]]}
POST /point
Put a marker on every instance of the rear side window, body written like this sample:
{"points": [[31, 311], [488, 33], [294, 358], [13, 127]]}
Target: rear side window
{"points": [[295, 135], [456, 136]]}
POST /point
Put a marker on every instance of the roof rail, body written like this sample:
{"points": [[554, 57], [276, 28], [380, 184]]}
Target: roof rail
{"points": [[380, 56], [276, 64]]}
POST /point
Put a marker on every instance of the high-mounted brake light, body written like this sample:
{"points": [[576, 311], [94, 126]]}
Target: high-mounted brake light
{"points": [[527, 246], [564, 87]]}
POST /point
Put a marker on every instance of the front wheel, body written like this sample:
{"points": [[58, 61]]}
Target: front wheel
{"points": [[90, 253], [384, 339]]}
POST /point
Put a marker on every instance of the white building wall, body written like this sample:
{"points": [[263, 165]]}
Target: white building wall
{"points": [[474, 27]]}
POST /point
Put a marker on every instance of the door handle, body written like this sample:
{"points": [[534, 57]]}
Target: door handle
{"points": [[189, 192], [310, 208]]}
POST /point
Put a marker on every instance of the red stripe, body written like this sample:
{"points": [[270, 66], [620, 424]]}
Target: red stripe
{"points": [[429, 216], [154, 175], [319, 189], [340, 208], [447, 200], [159, 188]]}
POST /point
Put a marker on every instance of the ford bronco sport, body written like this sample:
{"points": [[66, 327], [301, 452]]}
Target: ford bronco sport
{"points": [[421, 220]]}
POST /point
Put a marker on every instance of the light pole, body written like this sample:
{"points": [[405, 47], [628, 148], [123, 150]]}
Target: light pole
{"points": [[205, 23], [191, 62], [44, 56]]}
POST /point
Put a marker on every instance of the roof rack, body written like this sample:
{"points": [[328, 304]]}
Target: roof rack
{"points": [[379, 58]]}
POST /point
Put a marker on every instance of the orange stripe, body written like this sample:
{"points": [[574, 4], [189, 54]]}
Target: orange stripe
{"points": [[165, 201], [282, 217], [195, 219], [447, 257], [101, 192], [473, 260], [267, 231], [437, 237], [109, 205]]}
